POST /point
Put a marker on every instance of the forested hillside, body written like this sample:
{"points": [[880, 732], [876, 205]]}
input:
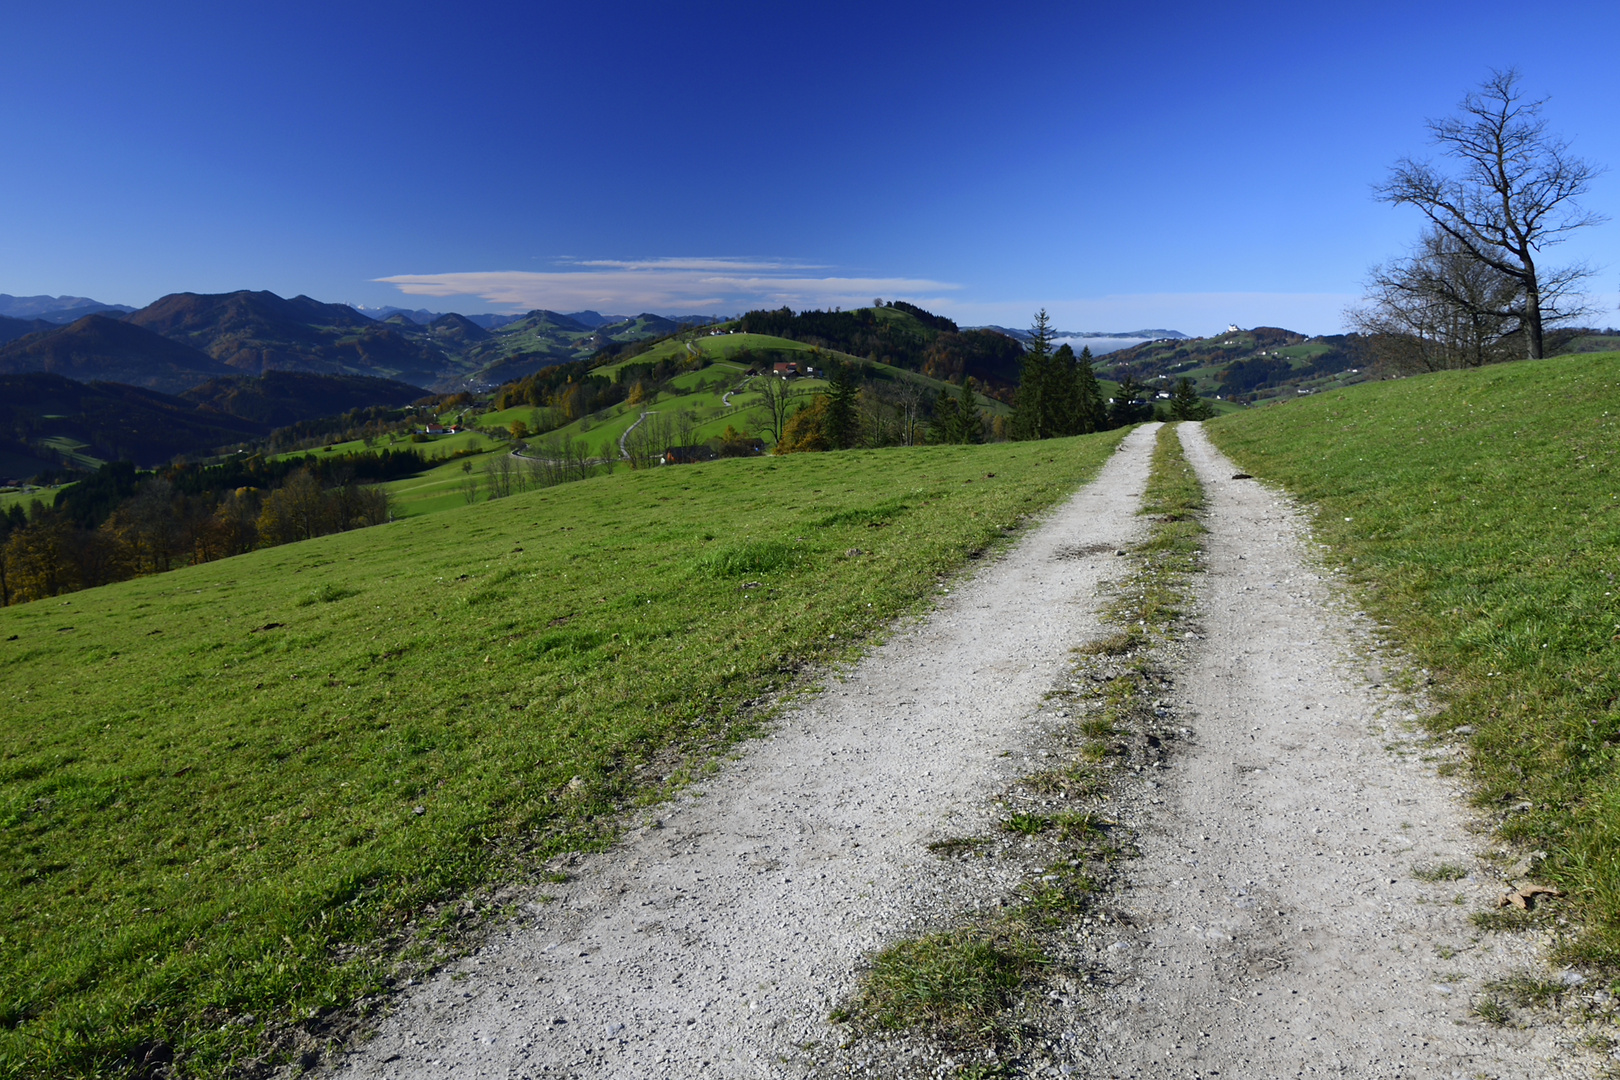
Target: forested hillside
{"points": [[902, 335], [98, 348]]}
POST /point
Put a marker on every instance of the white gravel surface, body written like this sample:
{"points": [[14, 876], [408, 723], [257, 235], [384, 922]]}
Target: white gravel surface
{"points": [[716, 944], [1273, 926], [1280, 930]]}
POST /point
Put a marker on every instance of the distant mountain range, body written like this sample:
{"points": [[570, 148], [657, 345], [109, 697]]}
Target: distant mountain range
{"points": [[591, 319], [54, 309], [283, 398], [98, 348], [186, 338], [12, 329]]}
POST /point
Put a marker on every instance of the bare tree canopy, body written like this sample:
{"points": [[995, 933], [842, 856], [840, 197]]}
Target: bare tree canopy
{"points": [[777, 397], [1438, 308], [1514, 195]]}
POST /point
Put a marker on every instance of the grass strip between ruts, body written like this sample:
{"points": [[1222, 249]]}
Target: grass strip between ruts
{"points": [[231, 795], [1478, 515], [961, 985]]}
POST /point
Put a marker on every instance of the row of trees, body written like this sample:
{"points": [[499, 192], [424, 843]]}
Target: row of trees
{"points": [[545, 463], [866, 413], [46, 551], [924, 342], [1058, 393], [1475, 289]]}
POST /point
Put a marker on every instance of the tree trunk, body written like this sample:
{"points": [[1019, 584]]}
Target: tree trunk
{"points": [[1532, 318]]}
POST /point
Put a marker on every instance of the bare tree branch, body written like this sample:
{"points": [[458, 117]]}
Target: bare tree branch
{"points": [[1513, 197]]}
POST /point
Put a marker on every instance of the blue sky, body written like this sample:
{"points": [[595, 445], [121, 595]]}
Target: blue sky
{"points": [[1125, 166]]}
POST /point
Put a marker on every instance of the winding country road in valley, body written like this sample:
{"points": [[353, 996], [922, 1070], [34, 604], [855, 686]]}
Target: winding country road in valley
{"points": [[623, 453], [1273, 924]]}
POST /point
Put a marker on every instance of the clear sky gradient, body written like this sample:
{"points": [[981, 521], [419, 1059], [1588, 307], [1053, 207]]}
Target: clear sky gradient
{"points": [[1123, 165]]}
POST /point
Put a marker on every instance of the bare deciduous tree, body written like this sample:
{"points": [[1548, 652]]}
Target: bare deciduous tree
{"points": [[1439, 308], [1514, 196], [776, 396], [647, 441]]}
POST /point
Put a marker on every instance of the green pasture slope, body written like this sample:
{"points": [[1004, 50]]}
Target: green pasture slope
{"points": [[232, 793], [1481, 510], [19, 497], [703, 392]]}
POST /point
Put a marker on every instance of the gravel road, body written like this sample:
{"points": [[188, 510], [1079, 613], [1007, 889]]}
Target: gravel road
{"points": [[1273, 926], [715, 944], [1279, 927]]}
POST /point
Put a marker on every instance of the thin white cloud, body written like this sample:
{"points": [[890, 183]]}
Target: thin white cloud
{"points": [[666, 285], [717, 265]]}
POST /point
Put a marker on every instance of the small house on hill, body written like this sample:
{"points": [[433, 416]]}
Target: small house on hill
{"points": [[689, 455], [787, 369]]}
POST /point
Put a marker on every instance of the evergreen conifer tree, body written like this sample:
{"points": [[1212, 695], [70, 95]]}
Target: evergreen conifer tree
{"points": [[1032, 410], [970, 428], [1093, 410], [1063, 413], [1128, 408], [1187, 405], [841, 423], [947, 422], [956, 419]]}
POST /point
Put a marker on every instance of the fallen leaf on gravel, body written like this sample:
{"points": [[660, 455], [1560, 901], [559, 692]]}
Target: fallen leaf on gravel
{"points": [[1523, 897], [1241, 476]]}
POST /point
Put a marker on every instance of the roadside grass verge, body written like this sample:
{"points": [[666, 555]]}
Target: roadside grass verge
{"points": [[979, 983], [248, 794], [1478, 513]]}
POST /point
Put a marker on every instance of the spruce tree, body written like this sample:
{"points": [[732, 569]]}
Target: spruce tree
{"points": [[970, 427], [1127, 409], [946, 423], [1064, 415], [1187, 405], [1093, 410], [1032, 407], [841, 423]]}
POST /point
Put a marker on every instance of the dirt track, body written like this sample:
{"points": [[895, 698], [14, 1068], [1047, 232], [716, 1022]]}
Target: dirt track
{"points": [[1278, 927]]}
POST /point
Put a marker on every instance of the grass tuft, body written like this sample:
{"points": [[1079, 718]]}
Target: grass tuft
{"points": [[955, 984], [1491, 1011], [1027, 824], [750, 557], [1528, 990]]}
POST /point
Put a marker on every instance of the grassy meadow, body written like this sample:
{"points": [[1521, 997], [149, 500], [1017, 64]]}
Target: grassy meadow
{"points": [[703, 394], [1480, 513], [19, 497], [232, 794]]}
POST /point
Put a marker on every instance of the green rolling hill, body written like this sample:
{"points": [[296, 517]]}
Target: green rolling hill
{"points": [[246, 792], [98, 348]]}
